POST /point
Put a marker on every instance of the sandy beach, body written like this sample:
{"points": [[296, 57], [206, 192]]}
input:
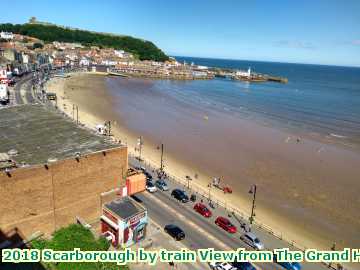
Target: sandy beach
{"points": [[308, 189]]}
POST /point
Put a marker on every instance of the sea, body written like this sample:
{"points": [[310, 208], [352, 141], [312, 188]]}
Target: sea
{"points": [[318, 99], [235, 130]]}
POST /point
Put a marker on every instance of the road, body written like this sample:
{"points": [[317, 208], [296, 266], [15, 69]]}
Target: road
{"points": [[21, 93], [199, 232], [202, 232]]}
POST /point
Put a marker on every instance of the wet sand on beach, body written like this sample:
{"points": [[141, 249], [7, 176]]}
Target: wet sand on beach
{"points": [[307, 190]]}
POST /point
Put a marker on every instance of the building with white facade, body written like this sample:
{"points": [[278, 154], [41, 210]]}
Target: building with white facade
{"points": [[84, 62], [7, 35], [3, 73], [107, 62], [119, 53]]}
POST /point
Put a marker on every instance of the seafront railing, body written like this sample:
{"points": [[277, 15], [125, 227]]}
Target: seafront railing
{"points": [[204, 194], [239, 214]]}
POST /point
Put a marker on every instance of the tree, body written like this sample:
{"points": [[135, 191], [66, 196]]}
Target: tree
{"points": [[76, 236], [38, 45], [144, 49]]}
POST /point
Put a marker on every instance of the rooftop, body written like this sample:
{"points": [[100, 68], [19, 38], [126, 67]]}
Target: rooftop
{"points": [[39, 133], [125, 208]]}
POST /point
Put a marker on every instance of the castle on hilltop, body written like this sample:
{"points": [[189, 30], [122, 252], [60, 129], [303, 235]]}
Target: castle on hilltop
{"points": [[33, 20]]}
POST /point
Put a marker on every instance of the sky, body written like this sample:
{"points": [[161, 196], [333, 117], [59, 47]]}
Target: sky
{"points": [[306, 31]]}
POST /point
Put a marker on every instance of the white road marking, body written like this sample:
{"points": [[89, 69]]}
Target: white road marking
{"points": [[192, 224]]}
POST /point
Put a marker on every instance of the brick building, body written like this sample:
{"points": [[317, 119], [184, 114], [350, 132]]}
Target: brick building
{"points": [[62, 170]]}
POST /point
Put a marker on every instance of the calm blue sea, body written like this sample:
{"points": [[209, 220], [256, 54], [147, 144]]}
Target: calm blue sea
{"points": [[317, 99]]}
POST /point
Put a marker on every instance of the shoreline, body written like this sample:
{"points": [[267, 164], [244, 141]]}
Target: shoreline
{"points": [[174, 165]]}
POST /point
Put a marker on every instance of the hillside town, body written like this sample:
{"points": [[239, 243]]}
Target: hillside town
{"points": [[74, 179], [21, 54]]}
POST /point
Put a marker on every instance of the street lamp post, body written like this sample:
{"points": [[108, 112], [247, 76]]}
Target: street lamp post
{"points": [[188, 178], [209, 186], [140, 143], [333, 248], [107, 125], [109, 128], [162, 157], [77, 114], [253, 191]]}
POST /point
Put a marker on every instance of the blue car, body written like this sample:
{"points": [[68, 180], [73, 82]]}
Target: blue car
{"points": [[243, 266], [289, 265]]}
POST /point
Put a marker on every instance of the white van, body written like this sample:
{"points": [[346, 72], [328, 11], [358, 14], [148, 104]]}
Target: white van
{"points": [[4, 94]]}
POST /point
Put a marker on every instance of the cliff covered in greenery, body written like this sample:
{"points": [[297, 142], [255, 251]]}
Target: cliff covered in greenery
{"points": [[144, 50]]}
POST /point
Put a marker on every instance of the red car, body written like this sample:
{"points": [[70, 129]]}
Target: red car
{"points": [[225, 224], [202, 210]]}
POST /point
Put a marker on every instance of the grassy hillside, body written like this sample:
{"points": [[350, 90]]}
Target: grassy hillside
{"points": [[144, 50]]}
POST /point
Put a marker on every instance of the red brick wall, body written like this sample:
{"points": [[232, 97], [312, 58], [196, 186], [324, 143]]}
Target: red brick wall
{"points": [[73, 188]]}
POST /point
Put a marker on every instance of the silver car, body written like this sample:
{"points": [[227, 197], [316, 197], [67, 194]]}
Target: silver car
{"points": [[252, 240], [161, 184]]}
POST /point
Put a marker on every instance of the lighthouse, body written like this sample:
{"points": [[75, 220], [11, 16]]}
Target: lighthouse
{"points": [[249, 72]]}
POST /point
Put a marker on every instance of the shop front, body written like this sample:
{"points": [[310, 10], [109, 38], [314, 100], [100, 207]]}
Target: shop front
{"points": [[124, 221]]}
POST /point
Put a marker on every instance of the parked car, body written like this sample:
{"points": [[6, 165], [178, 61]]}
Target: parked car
{"points": [[180, 195], [12, 82], [243, 266], [150, 187], [161, 184], [4, 94], [202, 210], [51, 96], [252, 240], [140, 168], [221, 266], [224, 223], [174, 231], [288, 265], [148, 176]]}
